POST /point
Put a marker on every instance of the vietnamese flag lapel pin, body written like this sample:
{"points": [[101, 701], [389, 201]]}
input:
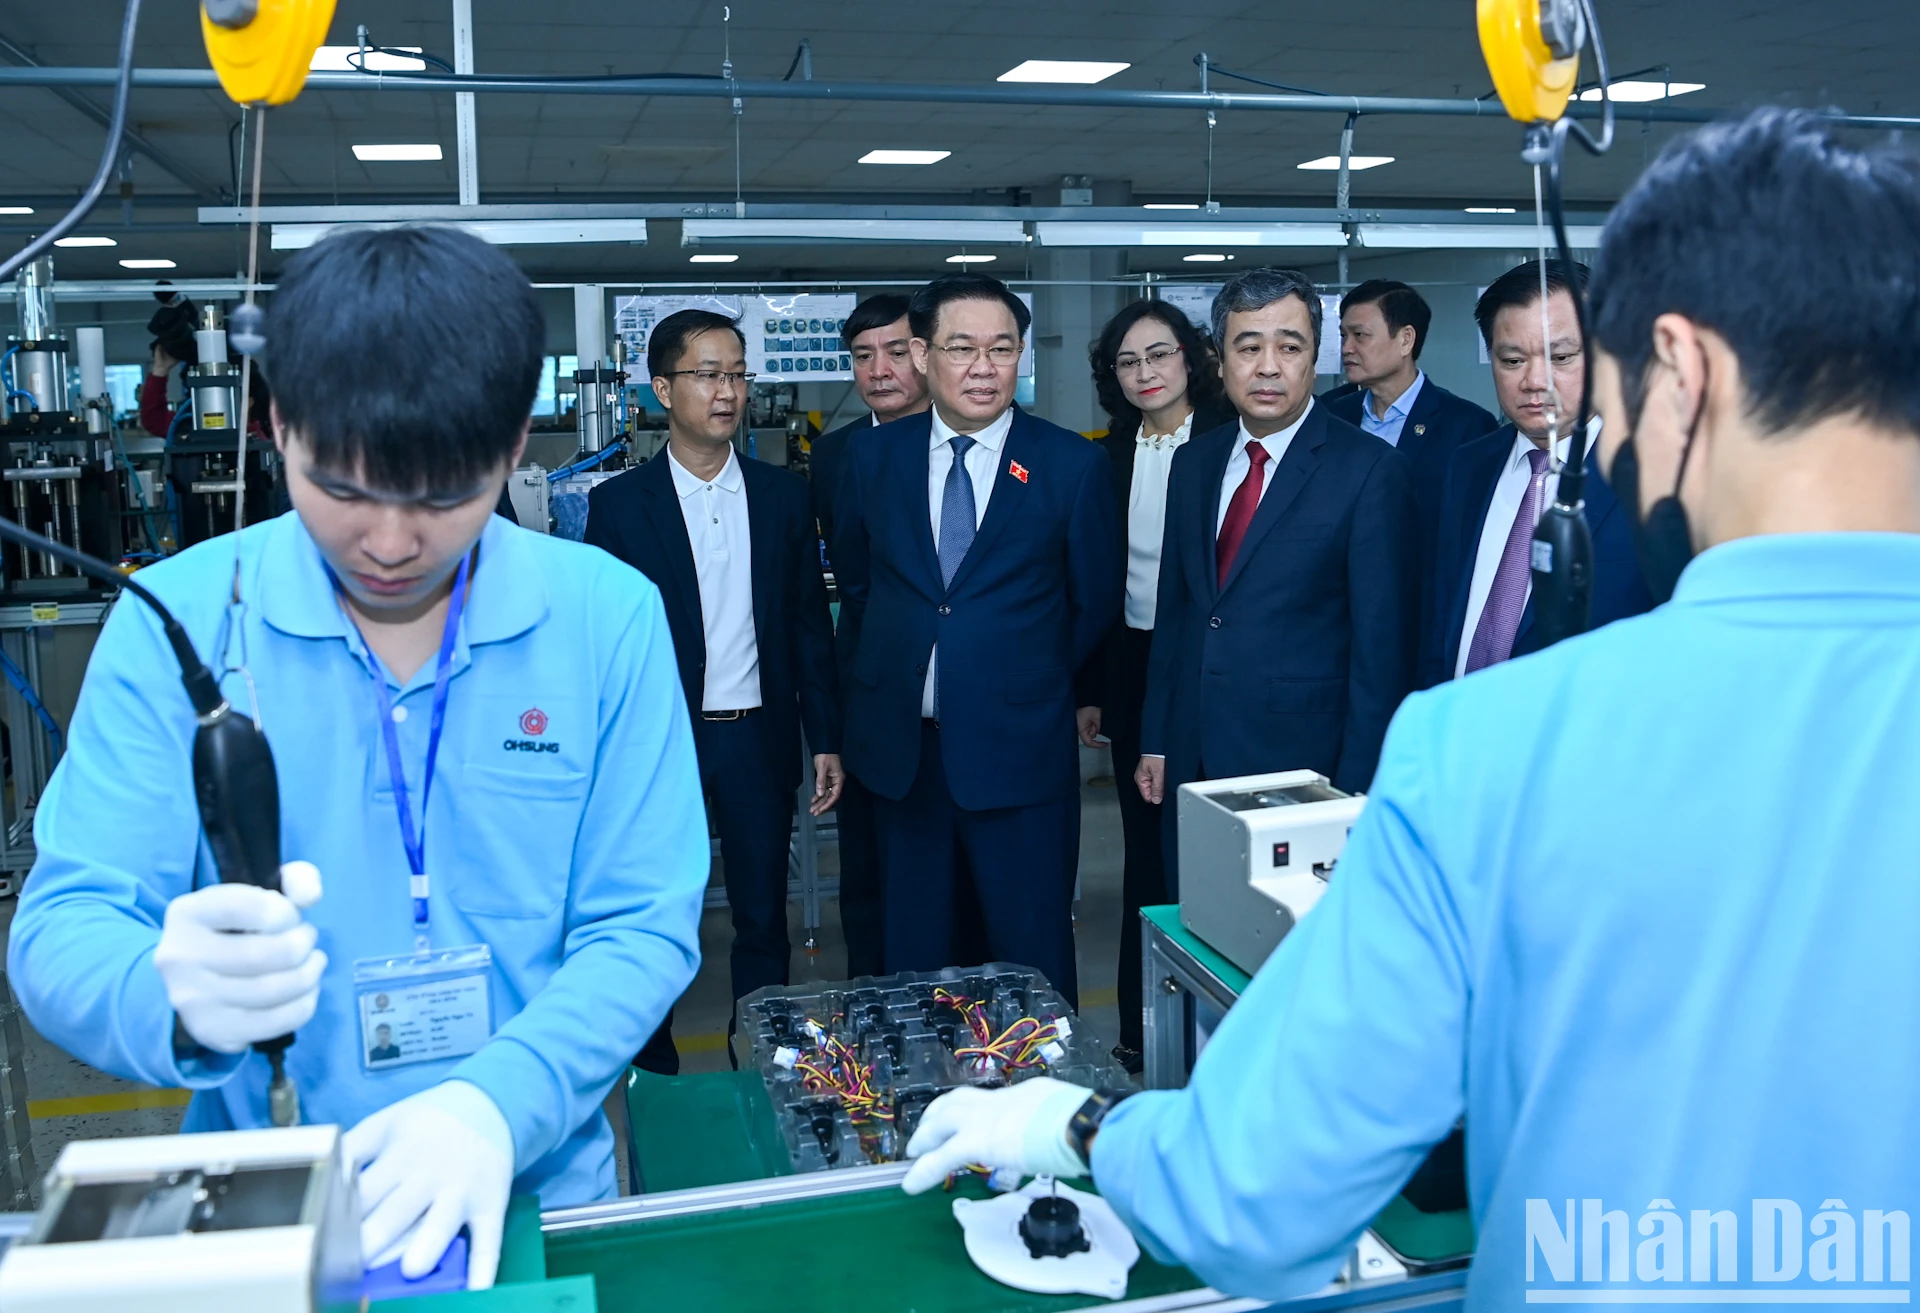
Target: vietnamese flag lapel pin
{"points": [[1017, 470]]}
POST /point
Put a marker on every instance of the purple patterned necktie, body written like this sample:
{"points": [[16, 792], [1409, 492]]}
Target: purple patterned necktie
{"points": [[1507, 600]]}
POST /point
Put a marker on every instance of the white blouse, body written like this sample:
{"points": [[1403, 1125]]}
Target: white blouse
{"points": [[1147, 520]]}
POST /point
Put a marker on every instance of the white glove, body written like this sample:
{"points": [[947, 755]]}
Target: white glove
{"points": [[435, 1162], [1022, 1127], [239, 962]]}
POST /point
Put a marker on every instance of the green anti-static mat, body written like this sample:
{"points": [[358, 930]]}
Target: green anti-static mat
{"points": [[711, 1129], [876, 1251]]}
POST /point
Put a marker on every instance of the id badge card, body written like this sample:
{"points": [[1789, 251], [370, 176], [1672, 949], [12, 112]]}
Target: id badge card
{"points": [[423, 1007]]}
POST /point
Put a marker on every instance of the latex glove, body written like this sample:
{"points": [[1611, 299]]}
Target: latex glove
{"points": [[239, 962], [1022, 1127], [435, 1162]]}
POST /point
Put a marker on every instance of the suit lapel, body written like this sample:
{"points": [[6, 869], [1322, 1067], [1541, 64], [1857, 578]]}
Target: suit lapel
{"points": [[661, 506], [1211, 497], [1296, 467], [1417, 431], [1007, 499], [913, 461], [1489, 477]]}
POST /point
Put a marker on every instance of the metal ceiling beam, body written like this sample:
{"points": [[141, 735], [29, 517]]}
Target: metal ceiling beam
{"points": [[1228, 217], [194, 182], [196, 79]]}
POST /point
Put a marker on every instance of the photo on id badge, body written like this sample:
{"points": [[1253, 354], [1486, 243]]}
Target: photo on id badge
{"points": [[424, 1007]]}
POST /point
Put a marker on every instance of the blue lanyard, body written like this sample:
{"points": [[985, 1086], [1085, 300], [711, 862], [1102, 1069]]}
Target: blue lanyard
{"points": [[413, 838]]}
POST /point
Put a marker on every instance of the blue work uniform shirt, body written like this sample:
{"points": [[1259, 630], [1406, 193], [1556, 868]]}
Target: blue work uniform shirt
{"points": [[1387, 427], [565, 831], [1644, 908]]}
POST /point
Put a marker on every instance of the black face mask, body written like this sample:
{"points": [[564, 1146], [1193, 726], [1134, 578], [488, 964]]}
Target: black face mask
{"points": [[1663, 542]]}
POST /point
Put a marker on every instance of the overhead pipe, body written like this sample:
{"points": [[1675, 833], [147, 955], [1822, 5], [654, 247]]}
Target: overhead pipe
{"points": [[199, 79]]}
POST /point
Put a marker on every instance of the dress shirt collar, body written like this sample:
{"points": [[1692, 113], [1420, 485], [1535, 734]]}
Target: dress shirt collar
{"points": [[1842, 568], [1172, 439], [1275, 443], [686, 483], [1522, 444], [991, 437], [1402, 405]]}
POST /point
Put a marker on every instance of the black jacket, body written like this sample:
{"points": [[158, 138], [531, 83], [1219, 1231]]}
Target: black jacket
{"points": [[636, 516], [1301, 659], [826, 464]]}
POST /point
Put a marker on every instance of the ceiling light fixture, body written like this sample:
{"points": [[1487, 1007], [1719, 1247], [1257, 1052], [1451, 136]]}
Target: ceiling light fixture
{"points": [[16, 209], [1083, 71], [969, 259], [1467, 236], [498, 232], [86, 241], [1205, 258], [387, 151], [1191, 234], [904, 156], [341, 59], [711, 259], [148, 264], [1490, 209], [1330, 163], [1183, 205], [968, 232], [1632, 92]]}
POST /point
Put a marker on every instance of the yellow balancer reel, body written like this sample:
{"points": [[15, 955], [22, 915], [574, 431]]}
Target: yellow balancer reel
{"points": [[1532, 48], [261, 49]]}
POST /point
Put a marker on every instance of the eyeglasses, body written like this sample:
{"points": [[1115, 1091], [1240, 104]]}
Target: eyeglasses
{"points": [[712, 378], [965, 353], [1131, 364]]}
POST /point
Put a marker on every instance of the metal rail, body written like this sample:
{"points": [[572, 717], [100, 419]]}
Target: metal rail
{"points": [[200, 79]]}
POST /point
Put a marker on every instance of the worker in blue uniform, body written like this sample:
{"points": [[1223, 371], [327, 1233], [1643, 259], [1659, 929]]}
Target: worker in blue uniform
{"points": [[1643, 905], [481, 745]]}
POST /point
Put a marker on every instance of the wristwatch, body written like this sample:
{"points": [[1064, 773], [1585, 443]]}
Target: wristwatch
{"points": [[1085, 1122]]}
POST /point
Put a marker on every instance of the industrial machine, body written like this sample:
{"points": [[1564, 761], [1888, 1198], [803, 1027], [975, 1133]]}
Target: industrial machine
{"points": [[1256, 853], [260, 1220], [850, 1067], [202, 451], [56, 457]]}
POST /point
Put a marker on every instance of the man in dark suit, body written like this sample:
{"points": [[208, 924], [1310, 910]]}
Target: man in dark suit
{"points": [[1383, 326], [1284, 634], [1496, 486], [877, 336], [731, 546], [977, 550]]}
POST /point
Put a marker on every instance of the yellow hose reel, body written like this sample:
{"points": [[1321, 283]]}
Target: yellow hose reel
{"points": [[1532, 48], [261, 49]]}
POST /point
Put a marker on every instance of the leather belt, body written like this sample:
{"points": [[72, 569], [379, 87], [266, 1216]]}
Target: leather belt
{"points": [[741, 714]]}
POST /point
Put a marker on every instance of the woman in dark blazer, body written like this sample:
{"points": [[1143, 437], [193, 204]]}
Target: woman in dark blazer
{"points": [[1157, 378]]}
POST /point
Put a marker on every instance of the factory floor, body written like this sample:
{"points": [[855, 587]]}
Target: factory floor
{"points": [[68, 1100]]}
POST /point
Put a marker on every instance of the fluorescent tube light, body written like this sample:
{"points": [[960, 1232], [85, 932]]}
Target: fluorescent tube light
{"points": [[1205, 258], [711, 259], [969, 259], [1083, 71], [1466, 236], [500, 232], [86, 241], [904, 156], [1633, 92], [16, 209], [1355, 163], [397, 151], [1490, 209], [335, 59], [1169, 205], [1072, 233], [961, 232], [148, 264]]}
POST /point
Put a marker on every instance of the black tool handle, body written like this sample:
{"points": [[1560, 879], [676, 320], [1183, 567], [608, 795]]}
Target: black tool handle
{"points": [[239, 796], [1562, 573]]}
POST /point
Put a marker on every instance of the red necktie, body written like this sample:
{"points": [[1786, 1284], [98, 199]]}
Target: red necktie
{"points": [[1246, 500]]}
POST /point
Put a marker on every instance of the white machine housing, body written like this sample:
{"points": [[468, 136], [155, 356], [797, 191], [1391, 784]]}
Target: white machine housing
{"points": [[1256, 852], [261, 1220]]}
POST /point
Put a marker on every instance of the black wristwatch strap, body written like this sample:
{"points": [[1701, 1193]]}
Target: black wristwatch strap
{"points": [[1086, 1121]]}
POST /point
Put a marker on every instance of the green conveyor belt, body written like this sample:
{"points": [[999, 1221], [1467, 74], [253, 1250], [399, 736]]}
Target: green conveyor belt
{"points": [[877, 1251]]}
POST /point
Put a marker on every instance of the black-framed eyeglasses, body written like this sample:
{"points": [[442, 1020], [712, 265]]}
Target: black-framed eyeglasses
{"points": [[710, 378], [1131, 364]]}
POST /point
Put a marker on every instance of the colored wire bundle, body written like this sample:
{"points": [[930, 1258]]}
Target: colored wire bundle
{"points": [[1017, 1048], [835, 1069]]}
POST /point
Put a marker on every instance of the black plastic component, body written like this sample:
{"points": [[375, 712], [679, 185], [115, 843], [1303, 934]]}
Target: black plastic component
{"points": [[820, 1118], [1052, 1228], [908, 1106], [1563, 592]]}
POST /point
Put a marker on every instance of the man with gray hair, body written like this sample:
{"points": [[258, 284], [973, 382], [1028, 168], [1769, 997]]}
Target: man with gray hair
{"points": [[1285, 632]]}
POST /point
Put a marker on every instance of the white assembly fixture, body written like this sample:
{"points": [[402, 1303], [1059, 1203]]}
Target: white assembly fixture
{"points": [[259, 1220], [995, 1245], [1256, 853]]}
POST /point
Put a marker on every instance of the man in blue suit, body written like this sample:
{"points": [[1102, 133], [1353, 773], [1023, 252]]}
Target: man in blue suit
{"points": [[1383, 326], [730, 544], [1480, 600], [1284, 634], [977, 553]]}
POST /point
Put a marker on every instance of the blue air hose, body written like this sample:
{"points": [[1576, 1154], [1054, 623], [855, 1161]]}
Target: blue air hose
{"points": [[25, 690]]}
